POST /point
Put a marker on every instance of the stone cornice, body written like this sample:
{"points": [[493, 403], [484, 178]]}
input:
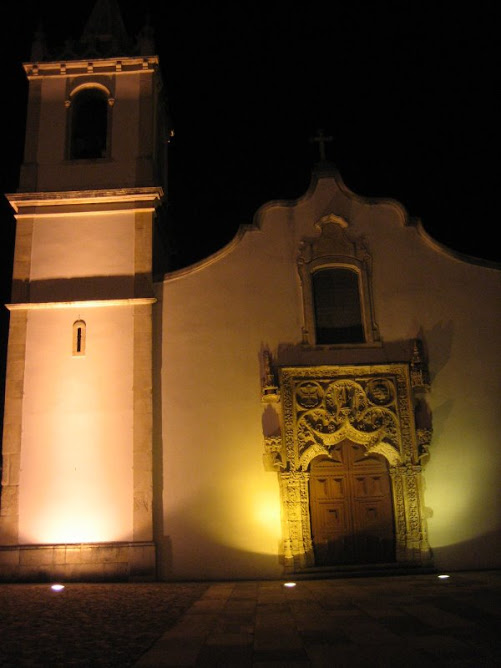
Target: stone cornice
{"points": [[115, 198], [92, 303], [96, 66]]}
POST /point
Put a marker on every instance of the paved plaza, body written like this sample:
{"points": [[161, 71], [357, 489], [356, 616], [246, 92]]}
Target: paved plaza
{"points": [[409, 620]]}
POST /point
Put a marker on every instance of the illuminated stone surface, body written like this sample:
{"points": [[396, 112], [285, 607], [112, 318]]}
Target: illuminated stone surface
{"points": [[77, 468]]}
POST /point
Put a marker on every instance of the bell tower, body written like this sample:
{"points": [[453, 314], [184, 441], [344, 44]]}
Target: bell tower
{"points": [[77, 459]]}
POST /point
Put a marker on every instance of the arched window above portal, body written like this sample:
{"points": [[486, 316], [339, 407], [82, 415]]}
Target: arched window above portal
{"points": [[89, 123], [336, 285], [337, 307]]}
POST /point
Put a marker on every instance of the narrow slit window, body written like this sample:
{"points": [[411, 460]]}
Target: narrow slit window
{"points": [[79, 338]]}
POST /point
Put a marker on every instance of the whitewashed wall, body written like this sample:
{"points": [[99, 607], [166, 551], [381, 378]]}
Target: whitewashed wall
{"points": [[220, 508]]}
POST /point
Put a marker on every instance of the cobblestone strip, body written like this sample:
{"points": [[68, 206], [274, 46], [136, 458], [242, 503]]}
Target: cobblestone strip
{"points": [[87, 624]]}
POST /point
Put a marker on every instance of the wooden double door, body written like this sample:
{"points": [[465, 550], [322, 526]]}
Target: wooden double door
{"points": [[351, 508]]}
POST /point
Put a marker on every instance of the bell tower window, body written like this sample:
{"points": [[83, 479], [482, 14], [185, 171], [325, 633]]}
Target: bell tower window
{"points": [[89, 125]]}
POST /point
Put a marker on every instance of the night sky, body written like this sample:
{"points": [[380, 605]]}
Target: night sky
{"points": [[406, 89]]}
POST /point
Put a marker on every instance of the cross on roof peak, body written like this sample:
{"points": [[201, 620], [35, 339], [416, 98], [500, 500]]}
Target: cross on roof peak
{"points": [[321, 139]]}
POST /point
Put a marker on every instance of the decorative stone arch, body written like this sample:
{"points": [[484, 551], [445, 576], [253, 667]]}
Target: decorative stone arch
{"points": [[95, 85], [369, 405]]}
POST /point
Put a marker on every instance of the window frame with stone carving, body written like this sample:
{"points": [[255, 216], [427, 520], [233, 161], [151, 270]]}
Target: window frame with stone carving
{"points": [[333, 249]]}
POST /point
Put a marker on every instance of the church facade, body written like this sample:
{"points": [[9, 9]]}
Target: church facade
{"points": [[321, 394]]}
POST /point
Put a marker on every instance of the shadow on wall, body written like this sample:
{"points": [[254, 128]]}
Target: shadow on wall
{"points": [[467, 555], [214, 562], [478, 553], [298, 354], [82, 288], [437, 342]]}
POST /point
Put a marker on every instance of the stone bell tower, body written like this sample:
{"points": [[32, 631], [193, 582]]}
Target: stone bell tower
{"points": [[77, 459]]}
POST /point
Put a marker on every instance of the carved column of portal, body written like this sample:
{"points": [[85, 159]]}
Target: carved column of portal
{"points": [[396, 475], [411, 540], [417, 542], [297, 547]]}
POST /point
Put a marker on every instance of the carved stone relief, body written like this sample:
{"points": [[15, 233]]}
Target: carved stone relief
{"points": [[369, 405]]}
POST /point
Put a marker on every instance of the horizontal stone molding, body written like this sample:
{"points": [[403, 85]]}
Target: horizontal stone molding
{"points": [[117, 66], [92, 303]]}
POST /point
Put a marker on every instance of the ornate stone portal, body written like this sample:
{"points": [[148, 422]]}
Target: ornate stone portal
{"points": [[369, 405]]}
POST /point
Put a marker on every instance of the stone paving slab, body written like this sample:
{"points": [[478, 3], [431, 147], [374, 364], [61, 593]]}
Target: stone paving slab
{"points": [[415, 620], [380, 621]]}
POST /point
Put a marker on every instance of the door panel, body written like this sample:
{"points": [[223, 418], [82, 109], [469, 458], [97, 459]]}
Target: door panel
{"points": [[351, 508]]}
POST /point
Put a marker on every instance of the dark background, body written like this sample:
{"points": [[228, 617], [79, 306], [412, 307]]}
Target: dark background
{"points": [[406, 89]]}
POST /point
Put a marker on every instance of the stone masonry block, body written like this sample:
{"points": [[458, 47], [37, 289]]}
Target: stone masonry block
{"points": [[73, 554], [11, 437], [9, 529], [9, 558], [37, 556], [10, 466], [10, 500], [142, 561]]}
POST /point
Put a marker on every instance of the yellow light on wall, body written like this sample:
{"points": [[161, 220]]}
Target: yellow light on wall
{"points": [[251, 510]]}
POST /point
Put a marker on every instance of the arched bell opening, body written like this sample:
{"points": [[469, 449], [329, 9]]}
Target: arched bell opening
{"points": [[89, 122]]}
